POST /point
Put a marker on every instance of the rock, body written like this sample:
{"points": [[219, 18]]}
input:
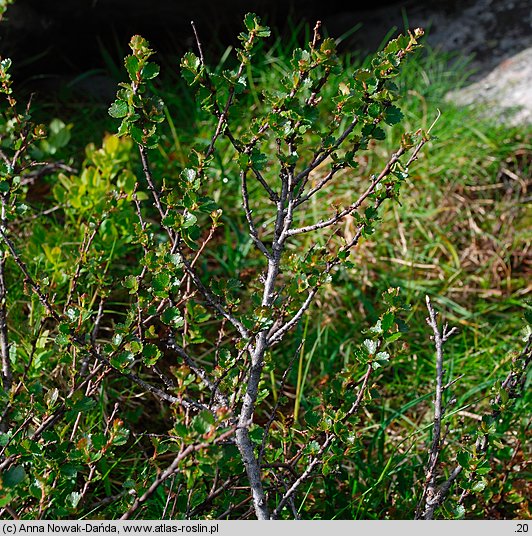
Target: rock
{"points": [[505, 92], [487, 31], [495, 35]]}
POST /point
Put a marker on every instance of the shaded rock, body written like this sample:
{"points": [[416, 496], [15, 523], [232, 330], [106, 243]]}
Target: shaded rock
{"points": [[489, 31], [506, 92]]}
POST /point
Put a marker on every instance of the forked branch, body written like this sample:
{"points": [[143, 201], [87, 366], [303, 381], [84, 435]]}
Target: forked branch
{"points": [[433, 496]]}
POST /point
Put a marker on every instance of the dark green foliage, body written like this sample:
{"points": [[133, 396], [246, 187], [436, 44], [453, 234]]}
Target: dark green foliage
{"points": [[140, 114]]}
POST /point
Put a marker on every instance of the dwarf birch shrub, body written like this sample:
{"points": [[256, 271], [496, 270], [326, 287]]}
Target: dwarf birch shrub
{"points": [[199, 345], [277, 148], [143, 379]]}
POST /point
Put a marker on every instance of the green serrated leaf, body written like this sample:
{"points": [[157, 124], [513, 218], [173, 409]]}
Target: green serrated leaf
{"points": [[160, 282], [132, 283], [149, 71], [225, 359], [84, 404], [377, 328], [120, 434], [135, 346], [371, 346], [393, 115], [190, 65], [250, 21], [387, 321], [189, 220], [150, 354], [132, 66], [73, 499], [203, 422], [312, 418], [122, 360], [313, 447], [50, 398], [7, 499], [459, 512], [378, 134], [4, 438], [382, 357], [514, 498], [463, 459], [374, 110], [137, 134], [140, 46], [118, 109], [172, 316]]}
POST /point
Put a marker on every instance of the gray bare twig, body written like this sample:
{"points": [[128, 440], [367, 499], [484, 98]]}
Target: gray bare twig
{"points": [[434, 495], [354, 206], [221, 114], [7, 374], [217, 395], [212, 300], [253, 233], [154, 191]]}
